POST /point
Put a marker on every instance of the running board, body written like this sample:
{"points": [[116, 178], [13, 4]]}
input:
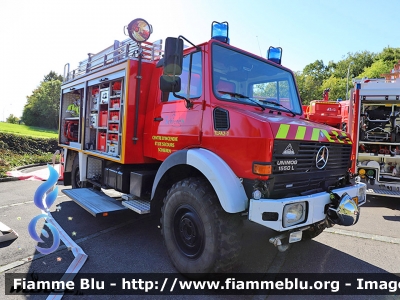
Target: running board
{"points": [[139, 206], [95, 202], [383, 192]]}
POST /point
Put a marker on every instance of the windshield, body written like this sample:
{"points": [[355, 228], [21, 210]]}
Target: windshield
{"points": [[241, 78]]}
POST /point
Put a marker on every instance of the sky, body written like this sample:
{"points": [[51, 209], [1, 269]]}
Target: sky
{"points": [[44, 35]]}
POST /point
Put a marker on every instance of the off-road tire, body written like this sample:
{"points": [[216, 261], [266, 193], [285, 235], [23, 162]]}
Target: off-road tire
{"points": [[199, 235], [75, 182]]}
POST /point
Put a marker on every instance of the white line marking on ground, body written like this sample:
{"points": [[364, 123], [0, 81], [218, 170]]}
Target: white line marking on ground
{"points": [[375, 237]]}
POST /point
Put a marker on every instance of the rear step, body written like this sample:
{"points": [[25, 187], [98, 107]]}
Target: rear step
{"points": [[97, 203], [139, 206]]}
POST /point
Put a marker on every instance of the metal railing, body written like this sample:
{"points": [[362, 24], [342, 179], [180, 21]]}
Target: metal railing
{"points": [[114, 54]]}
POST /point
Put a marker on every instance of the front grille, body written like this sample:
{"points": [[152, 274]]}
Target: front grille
{"points": [[295, 170]]}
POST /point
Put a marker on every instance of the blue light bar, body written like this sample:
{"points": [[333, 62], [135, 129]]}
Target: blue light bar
{"points": [[275, 54], [219, 31]]}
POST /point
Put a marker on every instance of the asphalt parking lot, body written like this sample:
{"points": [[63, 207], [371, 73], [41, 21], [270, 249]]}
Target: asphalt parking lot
{"points": [[132, 243]]}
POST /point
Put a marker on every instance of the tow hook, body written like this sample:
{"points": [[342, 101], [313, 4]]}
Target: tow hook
{"points": [[277, 241]]}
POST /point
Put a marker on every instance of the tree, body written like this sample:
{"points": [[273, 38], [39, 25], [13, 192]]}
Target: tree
{"points": [[42, 107], [52, 76], [356, 61], [310, 81], [378, 68], [337, 87], [12, 119], [390, 55]]}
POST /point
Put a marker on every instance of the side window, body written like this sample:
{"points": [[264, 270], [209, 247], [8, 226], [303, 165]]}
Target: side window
{"points": [[191, 78]]}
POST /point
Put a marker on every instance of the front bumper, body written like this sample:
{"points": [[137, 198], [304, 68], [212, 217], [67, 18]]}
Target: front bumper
{"points": [[269, 212]]}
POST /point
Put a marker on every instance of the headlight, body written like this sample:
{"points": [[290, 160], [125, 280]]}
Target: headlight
{"points": [[294, 213]]}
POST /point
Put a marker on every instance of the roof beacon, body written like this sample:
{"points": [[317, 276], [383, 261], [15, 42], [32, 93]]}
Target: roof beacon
{"points": [[219, 31], [275, 54]]}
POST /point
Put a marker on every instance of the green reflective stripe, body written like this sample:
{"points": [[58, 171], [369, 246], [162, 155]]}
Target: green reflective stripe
{"points": [[327, 135], [301, 132], [315, 134], [282, 131], [337, 134]]}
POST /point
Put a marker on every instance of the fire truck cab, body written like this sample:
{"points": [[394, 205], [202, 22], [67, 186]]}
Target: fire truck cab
{"points": [[206, 136]]}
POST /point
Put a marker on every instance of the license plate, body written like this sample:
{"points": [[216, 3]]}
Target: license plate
{"points": [[295, 236]]}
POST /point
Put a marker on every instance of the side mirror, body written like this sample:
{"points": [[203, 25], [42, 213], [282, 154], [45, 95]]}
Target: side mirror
{"points": [[173, 56], [170, 83]]}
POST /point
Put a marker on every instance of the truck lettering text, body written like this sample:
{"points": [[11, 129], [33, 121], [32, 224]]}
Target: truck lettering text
{"points": [[286, 168], [286, 162], [164, 150]]}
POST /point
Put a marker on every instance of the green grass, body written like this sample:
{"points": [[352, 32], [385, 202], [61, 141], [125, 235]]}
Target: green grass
{"points": [[10, 159], [28, 130]]}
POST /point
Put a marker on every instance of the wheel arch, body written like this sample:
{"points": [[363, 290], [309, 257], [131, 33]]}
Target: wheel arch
{"points": [[201, 162]]}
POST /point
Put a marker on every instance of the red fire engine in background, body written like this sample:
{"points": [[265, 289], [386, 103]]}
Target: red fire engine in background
{"points": [[325, 111], [205, 136]]}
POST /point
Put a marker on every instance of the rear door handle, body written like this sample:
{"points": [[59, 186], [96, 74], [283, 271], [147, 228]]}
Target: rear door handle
{"points": [[158, 119]]}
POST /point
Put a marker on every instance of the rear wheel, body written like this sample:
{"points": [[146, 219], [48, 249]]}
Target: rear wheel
{"points": [[75, 177], [199, 235]]}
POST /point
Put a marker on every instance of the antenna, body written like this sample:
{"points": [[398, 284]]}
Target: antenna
{"points": [[259, 45]]}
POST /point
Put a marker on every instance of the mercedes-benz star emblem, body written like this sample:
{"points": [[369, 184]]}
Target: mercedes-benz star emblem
{"points": [[322, 157]]}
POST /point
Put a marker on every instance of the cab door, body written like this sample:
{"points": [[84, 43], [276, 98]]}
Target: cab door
{"points": [[177, 123]]}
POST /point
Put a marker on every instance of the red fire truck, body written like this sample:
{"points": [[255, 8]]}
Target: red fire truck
{"points": [[206, 136], [375, 118], [325, 111]]}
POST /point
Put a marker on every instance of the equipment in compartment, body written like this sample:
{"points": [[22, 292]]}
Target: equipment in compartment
{"points": [[113, 137], [115, 103], [113, 127], [71, 130], [114, 115], [95, 99], [380, 124], [101, 141], [103, 118], [104, 96], [93, 120], [112, 149], [116, 88]]}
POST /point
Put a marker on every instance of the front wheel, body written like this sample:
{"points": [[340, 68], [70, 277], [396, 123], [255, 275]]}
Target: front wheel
{"points": [[199, 235]]}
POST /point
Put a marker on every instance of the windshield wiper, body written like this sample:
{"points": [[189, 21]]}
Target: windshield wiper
{"points": [[280, 105], [237, 95]]}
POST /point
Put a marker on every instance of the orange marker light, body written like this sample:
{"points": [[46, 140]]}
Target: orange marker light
{"points": [[262, 169]]}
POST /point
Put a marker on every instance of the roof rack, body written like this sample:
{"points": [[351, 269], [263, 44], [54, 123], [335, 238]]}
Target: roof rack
{"points": [[114, 54]]}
